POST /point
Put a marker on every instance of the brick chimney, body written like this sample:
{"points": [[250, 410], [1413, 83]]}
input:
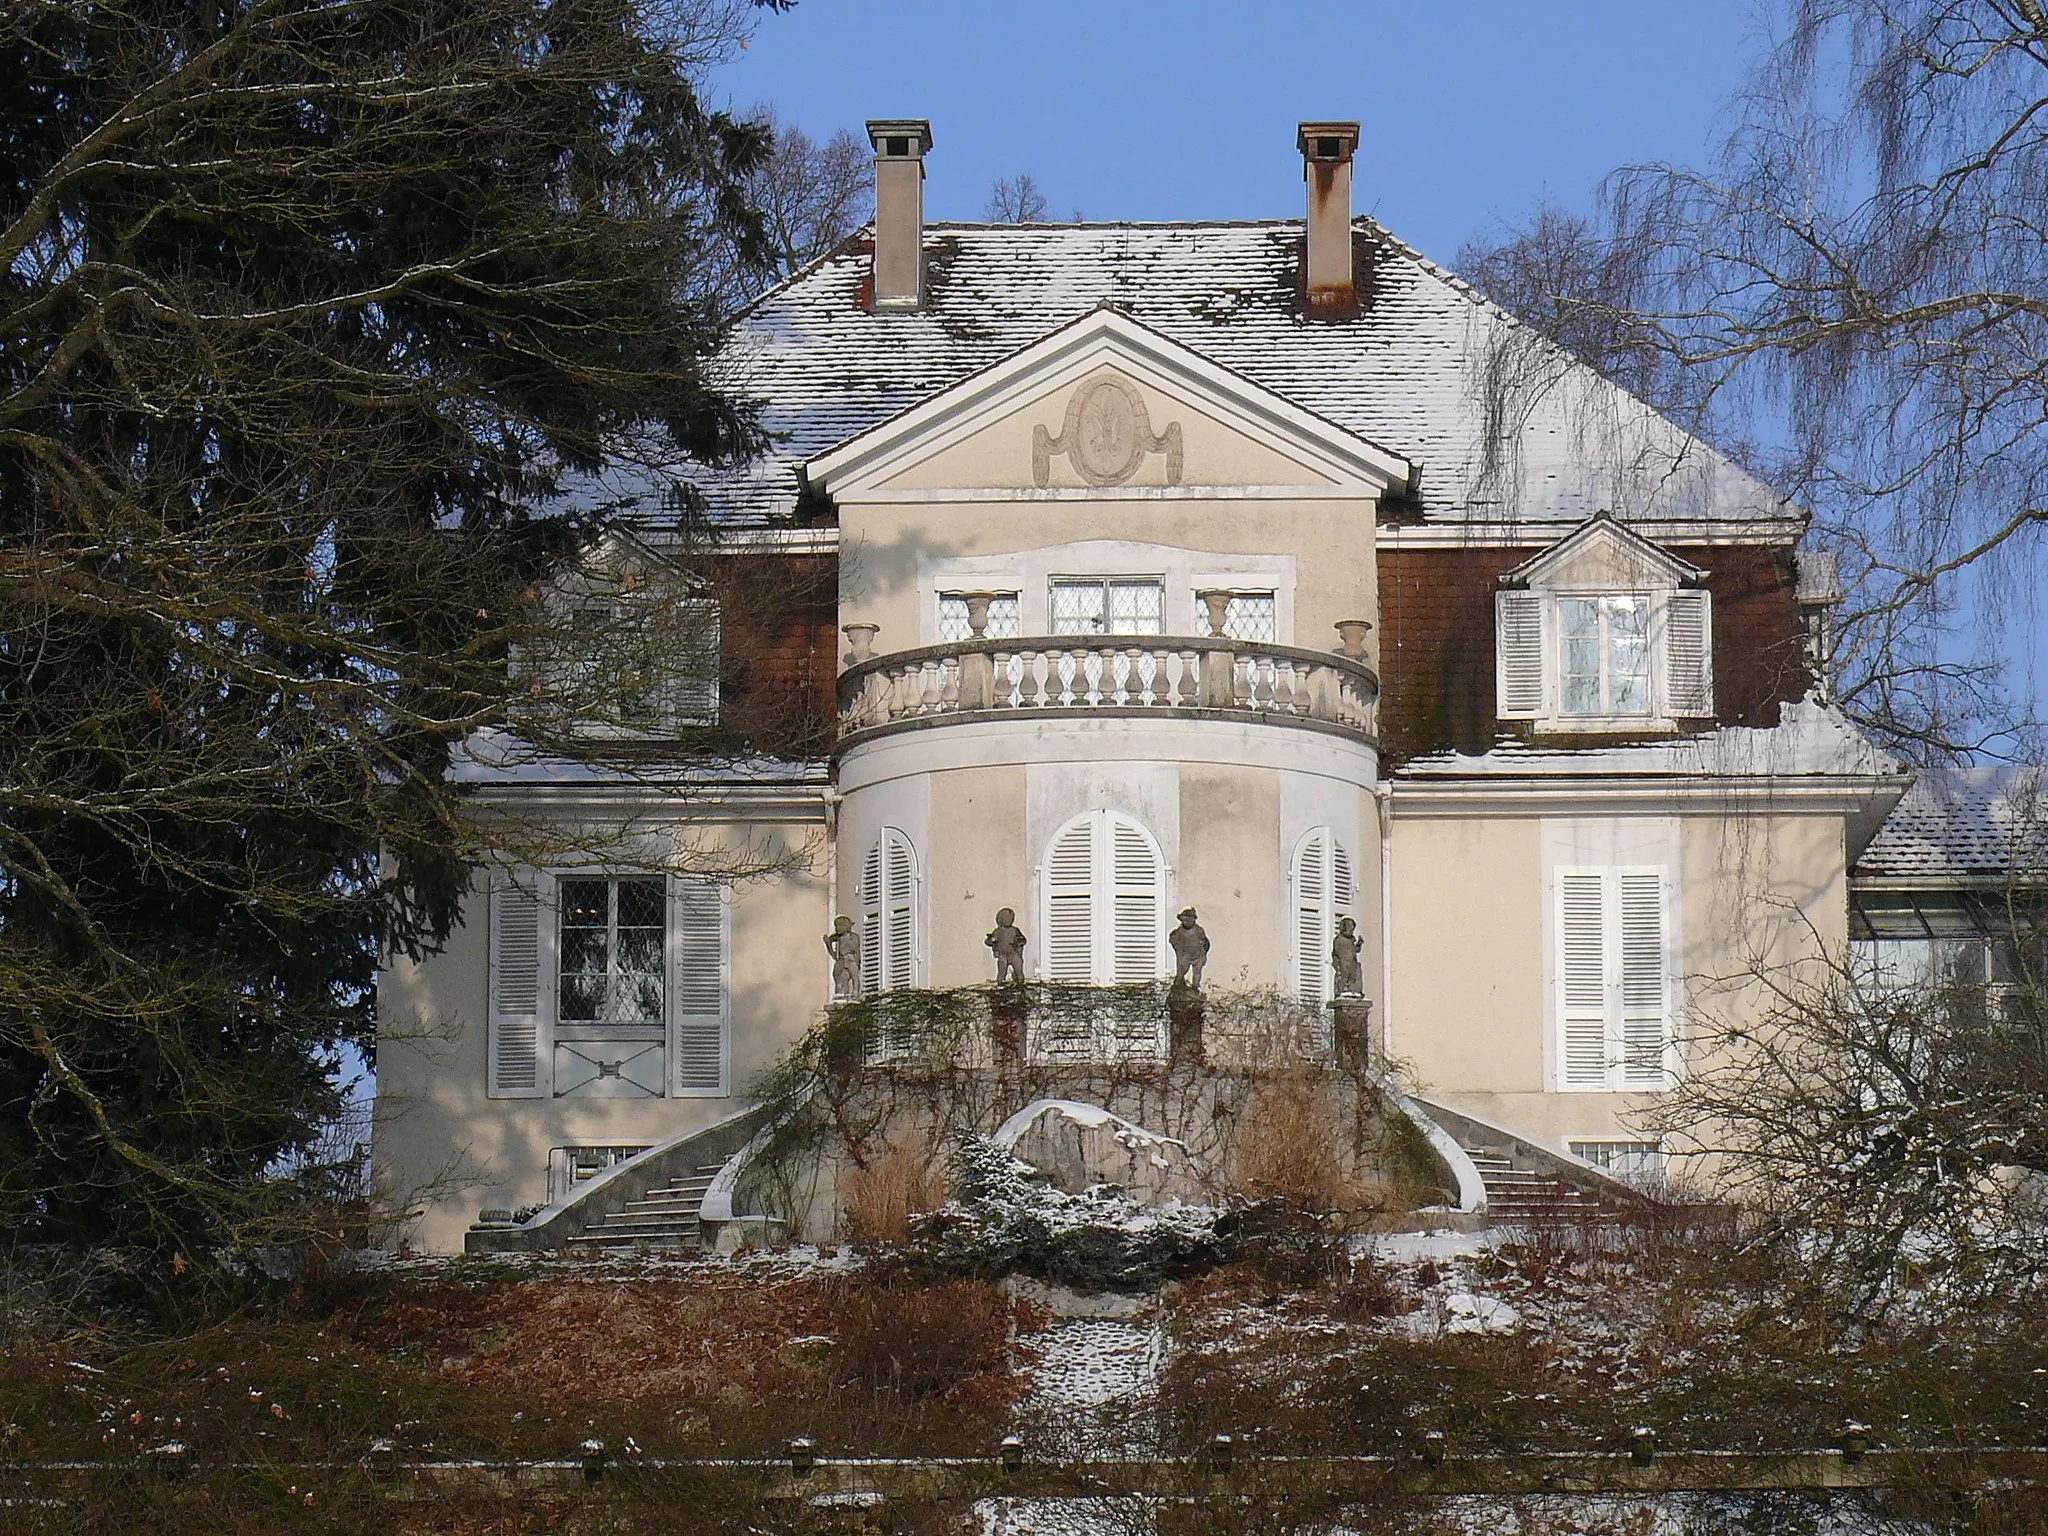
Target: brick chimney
{"points": [[900, 145], [1326, 150]]}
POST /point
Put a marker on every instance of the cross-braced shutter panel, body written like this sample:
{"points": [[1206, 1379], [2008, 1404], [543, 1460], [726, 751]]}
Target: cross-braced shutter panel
{"points": [[1136, 874], [1689, 654], [699, 1033], [1070, 905], [1582, 978], [1643, 988], [1518, 625], [517, 1068]]}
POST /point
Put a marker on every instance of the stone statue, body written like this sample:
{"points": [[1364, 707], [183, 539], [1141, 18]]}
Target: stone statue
{"points": [[1007, 941], [843, 945], [1190, 951], [1344, 959]]}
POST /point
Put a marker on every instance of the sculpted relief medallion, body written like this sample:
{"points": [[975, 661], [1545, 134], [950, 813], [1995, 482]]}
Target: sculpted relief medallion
{"points": [[1106, 435]]}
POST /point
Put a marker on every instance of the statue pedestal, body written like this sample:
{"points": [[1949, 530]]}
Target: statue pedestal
{"points": [[1351, 1032], [1184, 1011]]}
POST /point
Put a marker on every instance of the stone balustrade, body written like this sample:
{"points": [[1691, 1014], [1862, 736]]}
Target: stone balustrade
{"points": [[1125, 674]]}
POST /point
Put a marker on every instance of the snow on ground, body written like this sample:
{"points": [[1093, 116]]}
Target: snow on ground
{"points": [[1095, 1387]]}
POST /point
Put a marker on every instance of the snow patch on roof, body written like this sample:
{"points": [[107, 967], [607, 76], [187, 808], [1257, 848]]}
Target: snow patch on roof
{"points": [[1409, 373], [1810, 739], [1974, 822]]}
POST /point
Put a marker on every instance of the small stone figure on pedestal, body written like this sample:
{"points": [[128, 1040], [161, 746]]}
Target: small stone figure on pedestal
{"points": [[1190, 951], [1344, 959], [1006, 940], [843, 945]]}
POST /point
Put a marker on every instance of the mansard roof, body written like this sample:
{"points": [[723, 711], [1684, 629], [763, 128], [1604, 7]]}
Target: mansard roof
{"points": [[1409, 373]]}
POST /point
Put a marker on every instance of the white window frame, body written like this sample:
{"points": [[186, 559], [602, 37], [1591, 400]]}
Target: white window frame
{"points": [[1651, 1148], [605, 1026], [1515, 699], [1152, 579], [1572, 1009]]}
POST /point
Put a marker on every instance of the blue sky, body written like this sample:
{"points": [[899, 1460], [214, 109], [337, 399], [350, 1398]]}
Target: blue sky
{"points": [[1142, 110]]}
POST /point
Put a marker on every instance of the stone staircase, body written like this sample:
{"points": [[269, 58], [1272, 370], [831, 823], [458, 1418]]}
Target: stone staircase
{"points": [[665, 1217], [1528, 1196]]}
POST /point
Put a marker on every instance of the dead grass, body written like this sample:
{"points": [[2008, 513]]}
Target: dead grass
{"points": [[1290, 1148], [905, 1179]]}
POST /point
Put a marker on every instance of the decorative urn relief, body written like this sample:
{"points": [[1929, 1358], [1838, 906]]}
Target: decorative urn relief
{"points": [[1106, 435]]}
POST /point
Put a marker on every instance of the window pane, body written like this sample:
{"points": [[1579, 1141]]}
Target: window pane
{"points": [[1253, 616], [952, 619], [640, 904], [1578, 627], [583, 903], [1628, 655], [1003, 621], [1077, 608], [1137, 608]]}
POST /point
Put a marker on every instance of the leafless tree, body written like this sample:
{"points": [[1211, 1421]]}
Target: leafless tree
{"points": [[810, 194], [1890, 1130], [1860, 287], [1015, 200]]}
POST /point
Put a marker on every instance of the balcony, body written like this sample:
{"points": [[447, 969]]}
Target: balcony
{"points": [[1167, 676]]}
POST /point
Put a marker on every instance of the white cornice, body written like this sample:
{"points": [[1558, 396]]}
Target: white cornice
{"points": [[1532, 533], [1597, 795]]}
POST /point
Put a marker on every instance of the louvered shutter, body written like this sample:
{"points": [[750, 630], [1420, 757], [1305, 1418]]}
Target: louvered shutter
{"points": [[1311, 905], [519, 1047], [871, 921], [899, 875], [1689, 654], [700, 1011], [1644, 991], [1136, 876], [1518, 662], [696, 689], [1582, 978], [888, 910], [1069, 881]]}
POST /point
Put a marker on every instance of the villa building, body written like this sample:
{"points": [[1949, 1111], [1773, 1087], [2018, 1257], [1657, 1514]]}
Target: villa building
{"points": [[1145, 567]]}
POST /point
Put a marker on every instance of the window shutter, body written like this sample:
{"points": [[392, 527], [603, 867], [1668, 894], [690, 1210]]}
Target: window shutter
{"points": [[518, 1049], [696, 688], [1312, 923], [1069, 880], [1135, 874], [1518, 627], [899, 875], [871, 921], [699, 1031], [1582, 978], [888, 914], [1644, 991], [1689, 654]]}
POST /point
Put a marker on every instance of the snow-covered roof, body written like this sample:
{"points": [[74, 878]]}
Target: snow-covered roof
{"points": [[1809, 740], [1407, 374], [1971, 824]]}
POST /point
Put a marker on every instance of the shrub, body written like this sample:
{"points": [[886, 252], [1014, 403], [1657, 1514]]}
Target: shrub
{"points": [[922, 1342]]}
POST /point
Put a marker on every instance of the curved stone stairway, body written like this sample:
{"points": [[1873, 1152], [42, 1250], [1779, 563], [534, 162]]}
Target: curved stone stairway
{"points": [[1525, 1196], [665, 1217]]}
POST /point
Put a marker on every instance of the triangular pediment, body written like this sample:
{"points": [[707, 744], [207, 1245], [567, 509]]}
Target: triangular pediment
{"points": [[1607, 555], [1104, 407]]}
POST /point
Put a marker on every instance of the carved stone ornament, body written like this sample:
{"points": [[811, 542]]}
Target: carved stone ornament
{"points": [[1106, 435]]}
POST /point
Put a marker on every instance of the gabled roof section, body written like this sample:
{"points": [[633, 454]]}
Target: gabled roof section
{"points": [[1409, 373], [1105, 338], [1602, 541]]}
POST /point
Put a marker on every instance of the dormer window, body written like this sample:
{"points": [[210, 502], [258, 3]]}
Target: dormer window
{"points": [[1604, 632]]}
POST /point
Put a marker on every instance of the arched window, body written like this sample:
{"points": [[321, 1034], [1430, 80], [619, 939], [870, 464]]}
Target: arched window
{"points": [[888, 914], [1103, 899], [1323, 891]]}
